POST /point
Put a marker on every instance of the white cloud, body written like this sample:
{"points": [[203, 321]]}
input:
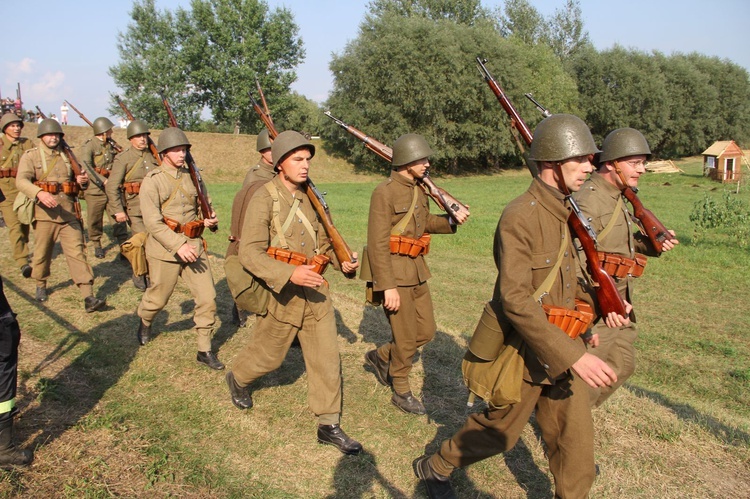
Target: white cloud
{"points": [[17, 69], [47, 87]]}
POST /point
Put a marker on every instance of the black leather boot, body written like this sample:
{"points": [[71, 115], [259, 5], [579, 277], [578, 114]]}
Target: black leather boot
{"points": [[408, 403], [334, 435], [41, 293], [241, 396], [438, 487], [139, 281], [92, 303], [380, 367], [26, 271], [210, 359], [239, 316], [144, 333], [10, 455]]}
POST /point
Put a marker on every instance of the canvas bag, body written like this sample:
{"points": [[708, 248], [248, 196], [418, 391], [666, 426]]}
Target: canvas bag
{"points": [[24, 208], [247, 291]]}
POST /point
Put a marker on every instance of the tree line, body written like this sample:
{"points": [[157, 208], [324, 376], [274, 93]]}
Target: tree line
{"points": [[412, 69]]}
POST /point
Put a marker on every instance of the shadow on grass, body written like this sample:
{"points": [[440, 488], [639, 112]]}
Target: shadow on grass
{"points": [[728, 435], [355, 476]]}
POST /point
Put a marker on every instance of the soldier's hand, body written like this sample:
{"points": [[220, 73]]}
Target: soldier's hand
{"points": [[304, 275], [187, 253], [391, 300], [594, 371], [211, 222], [121, 217], [349, 267], [82, 179], [616, 320], [47, 199], [670, 244]]}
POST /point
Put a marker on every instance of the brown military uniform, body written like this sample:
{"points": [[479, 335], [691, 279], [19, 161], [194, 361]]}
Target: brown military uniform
{"points": [[169, 192], [598, 200], [292, 310], [527, 243], [413, 325], [18, 233], [261, 171], [255, 178], [97, 156], [55, 223], [131, 165]]}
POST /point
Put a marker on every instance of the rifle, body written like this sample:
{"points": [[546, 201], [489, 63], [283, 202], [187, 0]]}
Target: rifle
{"points": [[445, 201], [647, 222], [606, 292], [195, 173], [75, 166], [340, 248], [149, 140], [20, 100], [263, 99], [117, 147]]}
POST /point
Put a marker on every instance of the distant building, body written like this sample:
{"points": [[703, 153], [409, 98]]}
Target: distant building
{"points": [[723, 161]]}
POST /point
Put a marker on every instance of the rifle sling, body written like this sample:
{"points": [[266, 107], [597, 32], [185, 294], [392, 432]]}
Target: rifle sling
{"points": [[546, 285], [400, 227]]}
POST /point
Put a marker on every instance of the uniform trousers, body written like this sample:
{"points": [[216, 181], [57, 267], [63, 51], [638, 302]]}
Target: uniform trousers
{"points": [[616, 348], [412, 325], [18, 233], [136, 223], [96, 203], [319, 341], [564, 416], [70, 235], [199, 280]]}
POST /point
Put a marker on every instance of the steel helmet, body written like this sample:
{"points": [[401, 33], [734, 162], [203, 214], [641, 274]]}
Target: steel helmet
{"points": [[286, 142], [136, 127], [561, 136], [409, 147], [624, 142], [263, 142], [101, 125], [9, 118], [48, 126], [172, 137]]}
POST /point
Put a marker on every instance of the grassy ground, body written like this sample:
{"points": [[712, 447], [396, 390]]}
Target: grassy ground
{"points": [[108, 418]]}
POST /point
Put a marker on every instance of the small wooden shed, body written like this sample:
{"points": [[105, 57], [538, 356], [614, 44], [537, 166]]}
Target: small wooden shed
{"points": [[723, 161]]}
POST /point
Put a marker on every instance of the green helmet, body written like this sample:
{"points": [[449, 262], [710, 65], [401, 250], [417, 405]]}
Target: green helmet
{"points": [[263, 142], [409, 147], [561, 136], [624, 142], [287, 142], [101, 125], [48, 126], [172, 137], [137, 127], [9, 118]]}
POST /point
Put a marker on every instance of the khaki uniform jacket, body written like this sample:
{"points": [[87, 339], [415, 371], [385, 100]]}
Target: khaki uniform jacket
{"points": [[133, 164], [598, 200], [527, 244], [96, 154], [261, 171], [239, 208], [31, 169], [389, 203], [288, 300], [157, 187], [10, 156]]}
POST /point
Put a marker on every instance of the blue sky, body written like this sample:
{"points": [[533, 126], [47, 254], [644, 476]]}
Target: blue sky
{"points": [[74, 43]]}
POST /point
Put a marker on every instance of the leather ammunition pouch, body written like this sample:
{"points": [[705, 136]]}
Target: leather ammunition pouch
{"points": [[407, 246], [573, 322], [102, 171], [71, 188], [9, 172], [620, 266], [131, 187], [51, 187], [192, 229], [320, 262]]}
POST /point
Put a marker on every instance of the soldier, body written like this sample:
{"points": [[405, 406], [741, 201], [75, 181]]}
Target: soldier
{"points": [[557, 368], [256, 177], [97, 155], [45, 175], [124, 183], [174, 248], [13, 147], [622, 161], [400, 213], [299, 304]]}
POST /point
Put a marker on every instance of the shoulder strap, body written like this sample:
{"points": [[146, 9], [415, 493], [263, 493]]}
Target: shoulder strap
{"points": [[131, 172], [280, 230], [400, 227], [177, 184], [612, 220], [544, 288]]}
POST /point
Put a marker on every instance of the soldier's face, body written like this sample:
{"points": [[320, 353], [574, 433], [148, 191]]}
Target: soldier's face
{"points": [[13, 130], [296, 166], [51, 139], [631, 169], [575, 171], [139, 141], [176, 156], [418, 168], [265, 156]]}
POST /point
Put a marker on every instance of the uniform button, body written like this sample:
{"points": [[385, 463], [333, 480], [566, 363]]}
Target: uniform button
{"points": [[533, 203], [567, 267], [299, 220], [546, 366], [547, 260], [302, 233], [270, 286], [567, 285], [567, 300], [303, 244], [566, 253]]}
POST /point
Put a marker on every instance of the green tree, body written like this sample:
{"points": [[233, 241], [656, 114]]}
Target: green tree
{"points": [[522, 20], [460, 11], [564, 31]]}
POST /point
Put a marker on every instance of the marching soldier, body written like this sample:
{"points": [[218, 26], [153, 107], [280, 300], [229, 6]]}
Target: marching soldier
{"points": [[174, 248], [283, 222], [398, 232], [97, 156], [264, 170], [621, 163], [124, 184], [13, 147], [45, 176]]}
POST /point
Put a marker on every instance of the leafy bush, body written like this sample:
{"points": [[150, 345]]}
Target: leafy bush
{"points": [[728, 215]]}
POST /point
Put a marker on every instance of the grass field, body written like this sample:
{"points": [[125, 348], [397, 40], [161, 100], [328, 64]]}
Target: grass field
{"points": [[108, 418]]}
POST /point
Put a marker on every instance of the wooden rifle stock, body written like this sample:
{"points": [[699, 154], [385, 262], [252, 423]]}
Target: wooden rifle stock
{"points": [[117, 147], [149, 140], [606, 292], [195, 173], [340, 248], [442, 198]]}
